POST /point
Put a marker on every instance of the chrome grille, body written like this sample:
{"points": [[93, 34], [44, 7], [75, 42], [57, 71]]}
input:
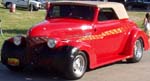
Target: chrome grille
{"points": [[36, 41], [36, 47]]}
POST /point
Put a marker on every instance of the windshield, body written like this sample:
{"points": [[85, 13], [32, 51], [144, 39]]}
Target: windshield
{"points": [[71, 11]]}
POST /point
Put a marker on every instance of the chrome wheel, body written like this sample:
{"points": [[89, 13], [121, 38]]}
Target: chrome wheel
{"points": [[79, 65], [76, 66], [138, 49]]}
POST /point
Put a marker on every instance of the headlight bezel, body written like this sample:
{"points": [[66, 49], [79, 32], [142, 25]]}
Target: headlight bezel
{"points": [[51, 43], [17, 40]]}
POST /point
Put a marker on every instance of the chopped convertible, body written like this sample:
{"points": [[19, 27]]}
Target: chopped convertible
{"points": [[76, 36]]}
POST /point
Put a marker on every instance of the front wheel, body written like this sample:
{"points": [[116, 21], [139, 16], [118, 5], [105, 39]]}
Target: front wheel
{"points": [[137, 51], [77, 66]]}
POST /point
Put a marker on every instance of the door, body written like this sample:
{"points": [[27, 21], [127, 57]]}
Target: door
{"points": [[22, 3], [109, 35]]}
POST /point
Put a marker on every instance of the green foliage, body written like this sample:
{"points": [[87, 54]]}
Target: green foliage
{"points": [[137, 17], [18, 22]]}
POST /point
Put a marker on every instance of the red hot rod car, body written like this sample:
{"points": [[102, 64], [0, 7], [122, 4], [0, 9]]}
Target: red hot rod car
{"points": [[76, 36]]}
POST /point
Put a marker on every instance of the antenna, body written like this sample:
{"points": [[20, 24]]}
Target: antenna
{"points": [[1, 28]]}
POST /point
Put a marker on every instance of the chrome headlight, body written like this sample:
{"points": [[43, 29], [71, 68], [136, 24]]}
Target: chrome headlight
{"points": [[51, 43], [17, 40]]}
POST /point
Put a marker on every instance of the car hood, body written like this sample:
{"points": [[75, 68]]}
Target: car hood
{"points": [[61, 28]]}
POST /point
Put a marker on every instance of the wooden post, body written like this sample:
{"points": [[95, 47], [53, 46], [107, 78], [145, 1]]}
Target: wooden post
{"points": [[31, 7], [1, 28]]}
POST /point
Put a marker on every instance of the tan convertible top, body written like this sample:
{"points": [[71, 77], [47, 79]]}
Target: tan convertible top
{"points": [[118, 7]]}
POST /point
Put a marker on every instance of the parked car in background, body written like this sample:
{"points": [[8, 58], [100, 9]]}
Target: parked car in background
{"points": [[43, 2], [143, 4], [76, 36], [31, 4]]}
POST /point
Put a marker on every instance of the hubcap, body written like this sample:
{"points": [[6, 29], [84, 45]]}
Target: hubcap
{"points": [[79, 65], [138, 49]]}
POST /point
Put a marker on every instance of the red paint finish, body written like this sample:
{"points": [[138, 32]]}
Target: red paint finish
{"points": [[104, 42]]}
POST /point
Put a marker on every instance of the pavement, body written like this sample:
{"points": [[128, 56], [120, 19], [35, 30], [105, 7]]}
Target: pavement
{"points": [[120, 71]]}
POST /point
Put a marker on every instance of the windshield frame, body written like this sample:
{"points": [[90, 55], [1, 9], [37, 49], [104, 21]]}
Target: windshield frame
{"points": [[91, 16]]}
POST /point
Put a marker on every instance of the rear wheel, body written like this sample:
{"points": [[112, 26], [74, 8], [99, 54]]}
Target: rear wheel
{"points": [[77, 66], [137, 51], [33, 8]]}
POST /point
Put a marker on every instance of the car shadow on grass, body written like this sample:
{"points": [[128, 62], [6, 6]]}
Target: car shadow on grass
{"points": [[17, 8], [14, 31], [2, 7], [22, 9]]}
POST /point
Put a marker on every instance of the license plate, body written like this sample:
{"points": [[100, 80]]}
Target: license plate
{"points": [[13, 61]]}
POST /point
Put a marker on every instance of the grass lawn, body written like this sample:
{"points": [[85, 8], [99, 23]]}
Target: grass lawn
{"points": [[22, 20], [137, 17], [19, 22]]}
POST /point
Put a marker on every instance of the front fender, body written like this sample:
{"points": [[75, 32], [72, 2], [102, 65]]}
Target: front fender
{"points": [[9, 49], [85, 47], [12, 51]]}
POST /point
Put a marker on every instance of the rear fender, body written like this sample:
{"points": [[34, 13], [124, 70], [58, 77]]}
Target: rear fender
{"points": [[133, 36]]}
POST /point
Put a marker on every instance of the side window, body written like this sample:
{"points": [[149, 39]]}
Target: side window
{"points": [[107, 14], [56, 11]]}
